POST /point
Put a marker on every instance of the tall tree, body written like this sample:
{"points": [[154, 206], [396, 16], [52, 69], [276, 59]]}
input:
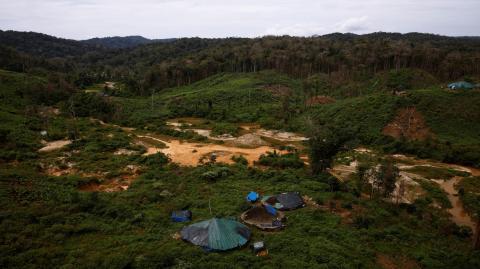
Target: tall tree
{"points": [[386, 177]]}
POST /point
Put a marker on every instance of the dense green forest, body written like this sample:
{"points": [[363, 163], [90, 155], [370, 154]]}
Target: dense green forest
{"points": [[183, 61], [103, 200]]}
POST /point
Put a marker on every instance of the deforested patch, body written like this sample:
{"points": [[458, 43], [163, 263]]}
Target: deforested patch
{"points": [[408, 124]]}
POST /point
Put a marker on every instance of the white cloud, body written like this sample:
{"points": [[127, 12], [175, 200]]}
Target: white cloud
{"points": [[353, 25], [295, 30]]}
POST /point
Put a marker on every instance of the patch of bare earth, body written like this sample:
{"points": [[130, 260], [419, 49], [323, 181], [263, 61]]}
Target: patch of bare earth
{"points": [[281, 135], [320, 100], [458, 213], [109, 85], [54, 145], [121, 183], [125, 152], [113, 185], [409, 124], [407, 190], [344, 172], [277, 89], [388, 262], [190, 154], [48, 111], [312, 203], [249, 140]]}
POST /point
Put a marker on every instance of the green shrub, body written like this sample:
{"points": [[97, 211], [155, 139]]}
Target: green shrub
{"points": [[239, 159], [224, 128], [216, 173], [273, 159], [154, 160]]}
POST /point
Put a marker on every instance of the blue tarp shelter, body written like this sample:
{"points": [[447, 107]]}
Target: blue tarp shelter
{"points": [[252, 196], [285, 201], [461, 85], [181, 216]]}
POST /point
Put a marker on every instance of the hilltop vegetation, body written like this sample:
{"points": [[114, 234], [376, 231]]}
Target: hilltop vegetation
{"points": [[117, 42]]}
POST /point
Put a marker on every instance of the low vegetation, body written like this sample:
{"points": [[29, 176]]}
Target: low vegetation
{"points": [[437, 173], [104, 201], [469, 190]]}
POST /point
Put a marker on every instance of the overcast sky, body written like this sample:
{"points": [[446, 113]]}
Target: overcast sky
{"points": [[82, 19]]}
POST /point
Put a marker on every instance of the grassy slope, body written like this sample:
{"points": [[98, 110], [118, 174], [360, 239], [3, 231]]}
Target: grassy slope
{"points": [[469, 189], [232, 98], [18, 132], [366, 115], [453, 116]]}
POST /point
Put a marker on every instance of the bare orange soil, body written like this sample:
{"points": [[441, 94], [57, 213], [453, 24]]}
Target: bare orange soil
{"points": [[320, 100], [408, 123], [189, 154]]}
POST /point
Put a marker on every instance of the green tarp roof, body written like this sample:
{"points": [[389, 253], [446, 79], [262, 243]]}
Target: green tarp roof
{"points": [[217, 234]]}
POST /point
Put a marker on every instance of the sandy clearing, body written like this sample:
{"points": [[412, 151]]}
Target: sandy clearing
{"points": [[280, 135], [54, 145], [251, 128], [189, 154]]}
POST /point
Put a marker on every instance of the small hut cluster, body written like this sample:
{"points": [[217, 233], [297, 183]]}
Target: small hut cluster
{"points": [[265, 213], [220, 234]]}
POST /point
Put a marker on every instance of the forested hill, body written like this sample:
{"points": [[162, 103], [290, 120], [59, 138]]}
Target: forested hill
{"points": [[119, 42], [37, 44], [344, 57]]}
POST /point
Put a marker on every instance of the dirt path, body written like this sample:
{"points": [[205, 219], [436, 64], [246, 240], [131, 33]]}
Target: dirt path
{"points": [[426, 162], [126, 129], [413, 189], [54, 145], [458, 212], [459, 215]]}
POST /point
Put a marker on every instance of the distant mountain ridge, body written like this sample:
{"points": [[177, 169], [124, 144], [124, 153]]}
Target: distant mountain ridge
{"points": [[38, 44], [121, 42]]}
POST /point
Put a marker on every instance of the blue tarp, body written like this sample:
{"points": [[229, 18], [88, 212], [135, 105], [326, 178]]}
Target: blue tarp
{"points": [[271, 210], [181, 216], [461, 85], [252, 196]]}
